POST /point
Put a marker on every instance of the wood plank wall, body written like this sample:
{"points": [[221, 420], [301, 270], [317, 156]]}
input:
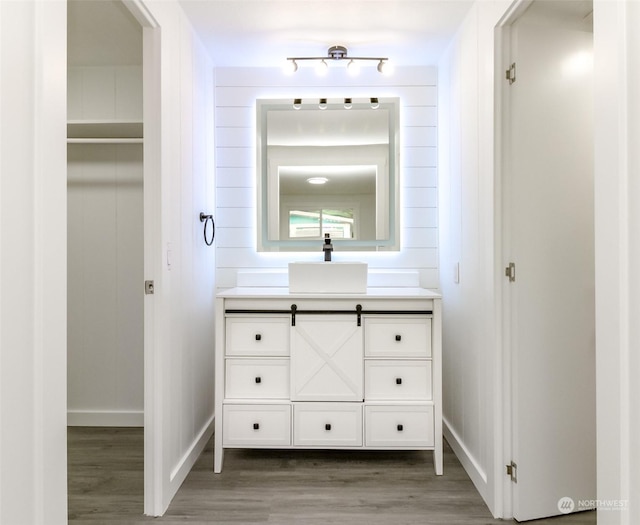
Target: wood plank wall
{"points": [[105, 252]]}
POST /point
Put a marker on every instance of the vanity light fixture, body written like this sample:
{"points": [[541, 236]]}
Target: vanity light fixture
{"points": [[323, 103], [374, 103], [348, 103], [297, 103], [338, 54]]}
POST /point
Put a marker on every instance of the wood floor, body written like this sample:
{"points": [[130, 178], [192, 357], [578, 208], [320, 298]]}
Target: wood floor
{"points": [[277, 487]]}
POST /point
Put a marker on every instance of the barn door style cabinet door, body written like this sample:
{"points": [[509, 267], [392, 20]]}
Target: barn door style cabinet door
{"points": [[300, 371]]}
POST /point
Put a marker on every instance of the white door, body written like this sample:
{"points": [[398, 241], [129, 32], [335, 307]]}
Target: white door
{"points": [[550, 216]]}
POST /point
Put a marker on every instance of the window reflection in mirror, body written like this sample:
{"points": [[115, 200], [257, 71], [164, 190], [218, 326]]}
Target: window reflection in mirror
{"points": [[327, 171], [314, 224]]}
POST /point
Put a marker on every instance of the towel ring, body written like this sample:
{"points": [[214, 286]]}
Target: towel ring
{"points": [[206, 218]]}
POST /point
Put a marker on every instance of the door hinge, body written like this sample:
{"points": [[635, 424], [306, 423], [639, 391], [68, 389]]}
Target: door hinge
{"points": [[510, 272], [149, 287], [512, 471], [511, 73]]}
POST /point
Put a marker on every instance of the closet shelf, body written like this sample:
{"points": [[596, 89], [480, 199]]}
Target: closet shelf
{"points": [[104, 131], [100, 140]]}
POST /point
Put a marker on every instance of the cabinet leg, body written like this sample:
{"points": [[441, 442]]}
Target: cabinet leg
{"points": [[218, 451], [218, 458], [437, 461]]}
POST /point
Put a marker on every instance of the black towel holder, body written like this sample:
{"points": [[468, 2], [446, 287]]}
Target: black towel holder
{"points": [[206, 218]]}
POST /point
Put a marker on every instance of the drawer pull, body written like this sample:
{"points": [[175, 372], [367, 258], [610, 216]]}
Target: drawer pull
{"points": [[258, 380], [258, 337], [398, 337], [256, 426], [400, 428], [398, 380], [327, 426]]}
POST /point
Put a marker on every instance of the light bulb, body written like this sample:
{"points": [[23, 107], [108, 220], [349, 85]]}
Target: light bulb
{"points": [[290, 67], [353, 68], [385, 68], [321, 68]]}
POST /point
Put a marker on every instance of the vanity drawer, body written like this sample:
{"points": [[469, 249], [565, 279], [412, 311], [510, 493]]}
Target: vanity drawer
{"points": [[257, 378], [395, 337], [399, 426], [325, 424], [397, 380], [256, 425], [257, 336]]}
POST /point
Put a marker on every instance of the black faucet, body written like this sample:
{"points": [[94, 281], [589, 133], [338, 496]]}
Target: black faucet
{"points": [[327, 247]]}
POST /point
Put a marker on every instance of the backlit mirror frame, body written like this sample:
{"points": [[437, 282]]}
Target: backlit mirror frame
{"points": [[387, 206]]}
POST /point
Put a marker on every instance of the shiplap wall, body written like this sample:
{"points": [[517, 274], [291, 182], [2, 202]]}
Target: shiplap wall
{"points": [[235, 121], [105, 352], [104, 93]]}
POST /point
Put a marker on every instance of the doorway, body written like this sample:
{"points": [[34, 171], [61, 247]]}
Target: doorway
{"points": [[105, 379], [548, 255]]}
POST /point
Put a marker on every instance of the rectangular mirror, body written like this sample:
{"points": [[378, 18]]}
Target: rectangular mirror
{"points": [[331, 170]]}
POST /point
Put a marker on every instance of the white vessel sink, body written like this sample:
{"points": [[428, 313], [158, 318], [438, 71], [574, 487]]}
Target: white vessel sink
{"points": [[328, 277]]}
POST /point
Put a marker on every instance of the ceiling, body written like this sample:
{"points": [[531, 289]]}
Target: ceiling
{"points": [[263, 33], [102, 33], [255, 33]]}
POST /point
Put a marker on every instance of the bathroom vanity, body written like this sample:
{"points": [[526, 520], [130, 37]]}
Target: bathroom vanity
{"points": [[328, 371]]}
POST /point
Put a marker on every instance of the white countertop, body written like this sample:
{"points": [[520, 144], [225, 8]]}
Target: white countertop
{"points": [[372, 293]]}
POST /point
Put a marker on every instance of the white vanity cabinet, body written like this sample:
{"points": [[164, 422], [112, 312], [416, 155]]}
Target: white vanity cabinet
{"points": [[328, 371]]}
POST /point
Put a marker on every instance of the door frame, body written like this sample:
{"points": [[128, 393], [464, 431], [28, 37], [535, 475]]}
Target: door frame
{"points": [[152, 162], [502, 247]]}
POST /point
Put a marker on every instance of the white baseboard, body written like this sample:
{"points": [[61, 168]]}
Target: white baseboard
{"points": [[184, 466], [105, 418], [469, 463]]}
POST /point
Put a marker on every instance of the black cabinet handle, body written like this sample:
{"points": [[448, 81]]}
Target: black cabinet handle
{"points": [[398, 380], [258, 337], [398, 337], [400, 428], [258, 380], [327, 426], [256, 426]]}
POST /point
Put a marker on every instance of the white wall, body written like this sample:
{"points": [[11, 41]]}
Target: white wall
{"points": [[179, 184], [471, 364], [33, 486], [105, 260], [617, 201], [236, 92]]}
